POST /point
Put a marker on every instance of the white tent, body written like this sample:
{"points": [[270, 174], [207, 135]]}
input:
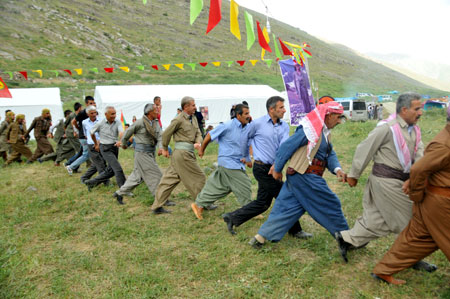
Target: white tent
{"points": [[31, 101], [218, 98]]}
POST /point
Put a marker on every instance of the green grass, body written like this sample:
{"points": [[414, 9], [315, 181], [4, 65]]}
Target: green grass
{"points": [[63, 241]]}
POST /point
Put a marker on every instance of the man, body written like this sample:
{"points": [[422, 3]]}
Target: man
{"points": [[147, 134], [4, 145], [71, 135], [63, 148], [380, 112], [41, 126], [183, 165], [429, 228], [309, 151], [110, 132], [201, 122], [157, 102], [230, 176], [77, 122], [393, 146], [98, 163], [265, 134], [15, 135]]}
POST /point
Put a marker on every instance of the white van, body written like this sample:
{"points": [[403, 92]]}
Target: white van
{"points": [[355, 110]]}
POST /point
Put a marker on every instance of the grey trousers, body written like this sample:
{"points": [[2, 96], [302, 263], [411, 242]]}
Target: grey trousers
{"points": [[110, 153], [98, 163], [145, 170]]}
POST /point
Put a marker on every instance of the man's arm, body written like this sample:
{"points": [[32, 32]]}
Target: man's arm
{"points": [[75, 123], [33, 124], [436, 158], [167, 134], [289, 147], [246, 140], [205, 143], [127, 135]]}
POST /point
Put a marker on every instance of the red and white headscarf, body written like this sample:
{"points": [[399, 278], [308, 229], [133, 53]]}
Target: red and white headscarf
{"points": [[313, 123]]}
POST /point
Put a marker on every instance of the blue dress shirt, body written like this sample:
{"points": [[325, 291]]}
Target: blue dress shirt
{"points": [[290, 146], [230, 135], [266, 138], [87, 126]]}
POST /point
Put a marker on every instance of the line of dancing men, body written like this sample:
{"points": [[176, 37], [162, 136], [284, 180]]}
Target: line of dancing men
{"points": [[407, 193]]}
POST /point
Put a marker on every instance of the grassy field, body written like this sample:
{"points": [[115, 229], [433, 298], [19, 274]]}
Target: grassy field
{"points": [[57, 239]]}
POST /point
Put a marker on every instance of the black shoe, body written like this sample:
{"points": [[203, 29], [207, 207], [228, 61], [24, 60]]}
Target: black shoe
{"points": [[226, 217], [161, 211], [170, 203], [424, 266], [211, 207], [351, 247], [89, 185], [39, 160], [302, 235], [29, 162], [343, 246], [107, 183], [119, 198], [255, 243]]}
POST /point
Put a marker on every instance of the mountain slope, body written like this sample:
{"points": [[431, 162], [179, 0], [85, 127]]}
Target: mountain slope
{"points": [[66, 34]]}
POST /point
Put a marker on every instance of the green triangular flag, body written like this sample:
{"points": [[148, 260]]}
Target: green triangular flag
{"points": [[94, 69], [306, 55], [192, 65], [277, 51], [229, 63], [268, 62], [144, 1], [56, 73], [196, 9], [141, 67], [10, 75], [250, 30]]}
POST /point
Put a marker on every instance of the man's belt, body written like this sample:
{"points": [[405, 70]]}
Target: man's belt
{"points": [[317, 167], [442, 191], [146, 148], [184, 146], [384, 171], [260, 162]]}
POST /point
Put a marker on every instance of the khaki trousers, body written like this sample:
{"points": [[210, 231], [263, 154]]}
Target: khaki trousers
{"points": [[43, 148], [222, 182], [145, 170], [183, 168], [19, 148], [428, 231]]}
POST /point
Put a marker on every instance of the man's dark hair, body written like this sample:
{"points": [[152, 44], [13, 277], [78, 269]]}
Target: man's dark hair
{"points": [[157, 97], [245, 103], [6, 111], [239, 109], [67, 112], [272, 102], [76, 106], [88, 98]]}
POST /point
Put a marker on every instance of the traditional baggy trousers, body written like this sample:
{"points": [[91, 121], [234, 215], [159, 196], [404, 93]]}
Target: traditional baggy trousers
{"points": [[145, 170], [183, 168], [428, 231]]}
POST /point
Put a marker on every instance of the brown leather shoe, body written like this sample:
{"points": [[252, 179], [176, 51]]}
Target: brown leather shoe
{"points": [[197, 211], [388, 279]]}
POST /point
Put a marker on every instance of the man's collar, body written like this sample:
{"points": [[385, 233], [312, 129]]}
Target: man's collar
{"points": [[402, 122], [269, 118], [185, 115], [236, 122]]}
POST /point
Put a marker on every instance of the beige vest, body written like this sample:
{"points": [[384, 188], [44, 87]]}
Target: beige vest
{"points": [[299, 162]]}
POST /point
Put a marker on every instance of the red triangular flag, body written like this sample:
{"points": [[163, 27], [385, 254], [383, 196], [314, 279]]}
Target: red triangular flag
{"points": [[262, 40], [215, 14], [24, 74], [285, 49], [109, 69], [68, 71], [309, 53], [203, 64], [241, 62], [4, 91], [155, 67]]}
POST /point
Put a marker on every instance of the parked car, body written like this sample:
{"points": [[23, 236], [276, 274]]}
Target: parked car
{"points": [[355, 110]]}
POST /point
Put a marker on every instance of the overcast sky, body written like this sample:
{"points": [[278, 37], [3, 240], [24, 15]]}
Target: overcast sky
{"points": [[420, 29]]}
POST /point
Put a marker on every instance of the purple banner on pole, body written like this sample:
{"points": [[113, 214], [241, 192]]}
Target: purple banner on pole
{"points": [[298, 89]]}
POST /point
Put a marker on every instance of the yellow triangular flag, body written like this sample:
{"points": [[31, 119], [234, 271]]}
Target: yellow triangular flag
{"points": [[180, 66], [234, 23], [125, 69], [79, 71], [266, 37], [254, 61], [166, 66], [39, 72], [216, 63], [292, 45]]}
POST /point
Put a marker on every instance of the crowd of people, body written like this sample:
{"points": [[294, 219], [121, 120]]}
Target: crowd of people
{"points": [[407, 193]]}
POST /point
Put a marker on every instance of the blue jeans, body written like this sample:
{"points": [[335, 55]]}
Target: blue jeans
{"points": [[299, 194], [84, 156]]}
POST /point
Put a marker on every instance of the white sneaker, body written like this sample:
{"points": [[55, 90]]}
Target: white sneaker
{"points": [[69, 170]]}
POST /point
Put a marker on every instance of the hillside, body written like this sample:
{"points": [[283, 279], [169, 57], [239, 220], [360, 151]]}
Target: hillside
{"points": [[64, 34]]}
